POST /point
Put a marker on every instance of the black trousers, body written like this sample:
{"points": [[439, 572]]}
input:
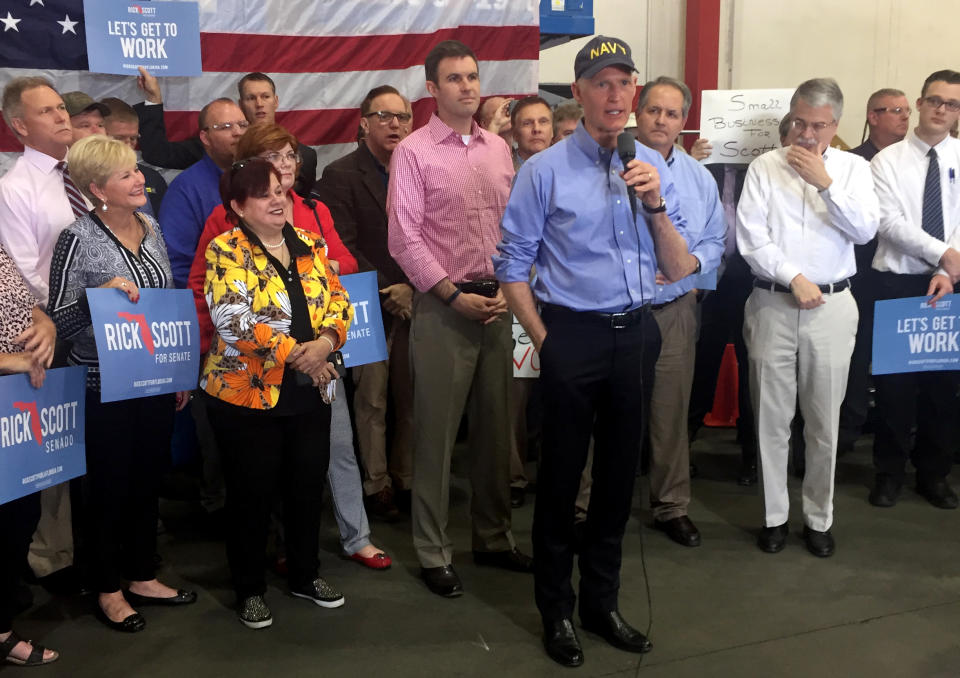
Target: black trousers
{"points": [[18, 520], [926, 400], [721, 322], [128, 444], [263, 456], [864, 286], [595, 381]]}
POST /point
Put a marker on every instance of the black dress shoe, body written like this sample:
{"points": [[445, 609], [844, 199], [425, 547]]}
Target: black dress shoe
{"points": [[182, 598], [132, 624], [681, 529], [518, 496], [773, 539], [885, 491], [512, 560], [748, 474], [442, 580], [937, 492], [819, 544], [615, 630], [561, 643]]}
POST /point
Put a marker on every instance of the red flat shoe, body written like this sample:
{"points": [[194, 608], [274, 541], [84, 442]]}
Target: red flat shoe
{"points": [[380, 561]]}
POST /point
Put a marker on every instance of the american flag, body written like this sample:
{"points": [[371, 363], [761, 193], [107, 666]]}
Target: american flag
{"points": [[324, 56]]}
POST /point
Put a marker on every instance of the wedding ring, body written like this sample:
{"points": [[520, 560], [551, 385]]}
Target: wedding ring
{"points": [[123, 284]]}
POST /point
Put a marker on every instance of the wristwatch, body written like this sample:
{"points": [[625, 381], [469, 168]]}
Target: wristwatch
{"points": [[662, 207]]}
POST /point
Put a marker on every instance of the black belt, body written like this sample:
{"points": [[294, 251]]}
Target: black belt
{"points": [[485, 288], [616, 321], [838, 286]]}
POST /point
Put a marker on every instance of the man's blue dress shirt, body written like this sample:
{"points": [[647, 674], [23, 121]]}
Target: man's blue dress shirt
{"points": [[569, 214]]}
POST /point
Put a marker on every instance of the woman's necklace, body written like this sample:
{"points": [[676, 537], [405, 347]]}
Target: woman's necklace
{"points": [[275, 245]]}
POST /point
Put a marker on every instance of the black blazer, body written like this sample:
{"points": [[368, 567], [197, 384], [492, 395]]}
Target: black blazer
{"points": [[354, 191], [156, 186], [160, 151]]}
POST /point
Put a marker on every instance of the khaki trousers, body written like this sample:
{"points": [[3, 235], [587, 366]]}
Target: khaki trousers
{"points": [[371, 382], [798, 355], [669, 444], [459, 364]]}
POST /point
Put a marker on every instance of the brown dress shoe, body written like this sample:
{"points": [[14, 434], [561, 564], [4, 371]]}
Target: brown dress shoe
{"points": [[382, 506]]}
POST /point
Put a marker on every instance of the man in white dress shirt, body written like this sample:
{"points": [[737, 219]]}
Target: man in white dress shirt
{"points": [[916, 182], [802, 210], [35, 206]]}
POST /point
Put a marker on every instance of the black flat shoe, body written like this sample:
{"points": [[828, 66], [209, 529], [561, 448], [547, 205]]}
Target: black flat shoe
{"points": [[615, 630], [182, 598], [518, 497], [820, 544], [132, 624], [513, 560], [561, 643], [680, 529], [772, 539], [442, 580]]}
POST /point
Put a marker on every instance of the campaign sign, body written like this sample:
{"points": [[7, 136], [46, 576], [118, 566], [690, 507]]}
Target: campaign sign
{"points": [[909, 335], [526, 360], [163, 37], [146, 348], [41, 431], [366, 340], [742, 124]]}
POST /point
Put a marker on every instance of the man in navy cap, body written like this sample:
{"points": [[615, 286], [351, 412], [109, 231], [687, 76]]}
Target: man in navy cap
{"points": [[597, 232]]}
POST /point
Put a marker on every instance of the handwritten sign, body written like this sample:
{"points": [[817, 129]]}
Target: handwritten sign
{"points": [[911, 336], [163, 37], [526, 360], [742, 124], [41, 431]]}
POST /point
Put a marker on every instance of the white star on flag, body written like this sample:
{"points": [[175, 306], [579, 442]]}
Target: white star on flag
{"points": [[68, 25], [9, 22], [37, 2]]}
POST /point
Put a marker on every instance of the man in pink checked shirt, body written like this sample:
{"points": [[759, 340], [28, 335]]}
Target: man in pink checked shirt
{"points": [[449, 184]]}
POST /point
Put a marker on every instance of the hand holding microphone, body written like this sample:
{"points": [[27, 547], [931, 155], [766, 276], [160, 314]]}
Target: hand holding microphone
{"points": [[641, 178]]}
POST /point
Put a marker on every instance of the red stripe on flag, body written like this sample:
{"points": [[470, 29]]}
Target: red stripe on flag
{"points": [[229, 52], [8, 142]]}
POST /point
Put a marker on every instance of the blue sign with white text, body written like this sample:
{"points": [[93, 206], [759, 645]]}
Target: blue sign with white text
{"points": [[146, 348], [366, 341], [909, 335], [41, 431], [163, 37]]}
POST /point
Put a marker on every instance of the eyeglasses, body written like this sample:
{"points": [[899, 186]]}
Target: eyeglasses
{"points": [[386, 117], [239, 124], [896, 110], [936, 102], [276, 157], [802, 125]]}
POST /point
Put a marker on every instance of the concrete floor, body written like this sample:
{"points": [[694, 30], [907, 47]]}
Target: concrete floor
{"points": [[887, 604]]}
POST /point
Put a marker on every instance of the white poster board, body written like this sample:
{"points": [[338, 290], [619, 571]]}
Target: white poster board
{"points": [[526, 361], [742, 123]]}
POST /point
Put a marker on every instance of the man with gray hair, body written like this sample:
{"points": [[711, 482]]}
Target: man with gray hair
{"points": [[802, 210], [661, 115]]}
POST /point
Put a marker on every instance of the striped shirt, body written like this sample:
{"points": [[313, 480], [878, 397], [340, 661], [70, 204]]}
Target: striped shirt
{"points": [[88, 254], [445, 201]]}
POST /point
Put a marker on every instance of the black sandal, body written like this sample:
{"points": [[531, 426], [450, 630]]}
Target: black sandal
{"points": [[36, 654]]}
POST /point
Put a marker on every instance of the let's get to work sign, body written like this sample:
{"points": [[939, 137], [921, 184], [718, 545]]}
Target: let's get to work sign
{"points": [[909, 335], [163, 37]]}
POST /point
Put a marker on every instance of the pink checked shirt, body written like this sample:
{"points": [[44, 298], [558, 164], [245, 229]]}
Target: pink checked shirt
{"points": [[445, 201]]}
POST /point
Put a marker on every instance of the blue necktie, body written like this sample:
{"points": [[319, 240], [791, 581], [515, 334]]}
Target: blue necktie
{"points": [[932, 219]]}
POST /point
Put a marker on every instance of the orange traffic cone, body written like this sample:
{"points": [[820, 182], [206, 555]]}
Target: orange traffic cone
{"points": [[725, 403]]}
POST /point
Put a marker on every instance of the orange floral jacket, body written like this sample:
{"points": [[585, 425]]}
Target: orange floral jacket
{"points": [[250, 309]]}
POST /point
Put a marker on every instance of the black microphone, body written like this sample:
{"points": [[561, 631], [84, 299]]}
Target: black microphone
{"points": [[627, 150]]}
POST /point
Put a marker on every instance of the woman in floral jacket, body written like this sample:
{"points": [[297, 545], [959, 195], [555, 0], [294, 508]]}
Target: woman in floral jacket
{"points": [[279, 311]]}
